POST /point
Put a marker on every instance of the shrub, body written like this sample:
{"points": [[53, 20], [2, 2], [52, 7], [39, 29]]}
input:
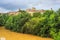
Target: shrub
{"points": [[55, 35], [36, 26], [3, 19], [30, 25], [37, 14], [15, 23]]}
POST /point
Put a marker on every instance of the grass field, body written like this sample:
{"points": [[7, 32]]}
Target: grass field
{"points": [[8, 35]]}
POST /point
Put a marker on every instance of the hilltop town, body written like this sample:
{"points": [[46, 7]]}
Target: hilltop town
{"points": [[29, 10]]}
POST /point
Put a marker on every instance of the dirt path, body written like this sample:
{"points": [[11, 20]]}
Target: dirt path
{"points": [[8, 35]]}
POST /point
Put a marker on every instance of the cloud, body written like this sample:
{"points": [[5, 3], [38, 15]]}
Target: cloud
{"points": [[2, 10], [23, 4]]}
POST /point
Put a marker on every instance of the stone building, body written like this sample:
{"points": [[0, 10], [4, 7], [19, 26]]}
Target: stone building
{"points": [[33, 10], [14, 12], [30, 11]]}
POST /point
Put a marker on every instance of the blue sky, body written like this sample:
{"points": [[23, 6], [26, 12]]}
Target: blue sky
{"points": [[9, 5]]}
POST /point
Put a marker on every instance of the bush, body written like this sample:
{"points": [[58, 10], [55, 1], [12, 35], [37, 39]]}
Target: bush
{"points": [[9, 23], [37, 14], [30, 25], [15, 23], [36, 26], [55, 35], [3, 19]]}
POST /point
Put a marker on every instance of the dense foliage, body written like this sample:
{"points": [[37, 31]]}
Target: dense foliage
{"points": [[3, 18], [45, 25], [15, 23]]}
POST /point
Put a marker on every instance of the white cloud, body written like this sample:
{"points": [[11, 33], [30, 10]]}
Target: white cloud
{"points": [[39, 4], [2, 10], [58, 1]]}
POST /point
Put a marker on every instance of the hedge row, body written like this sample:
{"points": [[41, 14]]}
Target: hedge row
{"points": [[46, 24]]}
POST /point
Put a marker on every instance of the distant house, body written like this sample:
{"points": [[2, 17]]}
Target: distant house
{"points": [[33, 10], [30, 11], [14, 12]]}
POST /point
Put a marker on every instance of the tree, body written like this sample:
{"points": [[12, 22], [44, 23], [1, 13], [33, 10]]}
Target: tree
{"points": [[15, 22], [3, 19], [37, 14]]}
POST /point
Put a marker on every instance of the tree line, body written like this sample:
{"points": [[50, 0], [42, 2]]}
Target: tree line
{"points": [[45, 25]]}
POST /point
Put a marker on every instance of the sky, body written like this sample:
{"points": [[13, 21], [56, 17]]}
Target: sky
{"points": [[13, 5]]}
